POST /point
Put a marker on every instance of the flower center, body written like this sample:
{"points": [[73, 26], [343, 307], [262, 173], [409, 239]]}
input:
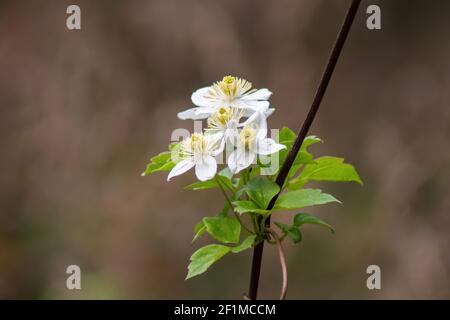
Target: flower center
{"points": [[230, 88], [247, 135], [195, 144], [220, 118]]}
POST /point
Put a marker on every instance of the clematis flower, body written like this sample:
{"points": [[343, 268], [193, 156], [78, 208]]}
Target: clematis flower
{"points": [[197, 151], [230, 92], [223, 124], [251, 142]]}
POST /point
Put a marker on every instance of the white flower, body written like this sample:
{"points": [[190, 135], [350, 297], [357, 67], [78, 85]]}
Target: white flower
{"points": [[223, 124], [197, 151], [251, 142], [230, 92]]}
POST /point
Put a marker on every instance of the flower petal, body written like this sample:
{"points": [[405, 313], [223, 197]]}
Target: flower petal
{"points": [[232, 161], [258, 121], [180, 168], [261, 94], [192, 114], [206, 169], [250, 104], [268, 146], [269, 112], [240, 159], [205, 111], [198, 97]]}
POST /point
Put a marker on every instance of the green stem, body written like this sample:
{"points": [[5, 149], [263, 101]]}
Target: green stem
{"points": [[231, 205]]}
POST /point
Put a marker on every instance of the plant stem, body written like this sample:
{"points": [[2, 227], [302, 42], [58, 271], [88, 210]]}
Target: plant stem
{"points": [[328, 72], [282, 263], [231, 205]]}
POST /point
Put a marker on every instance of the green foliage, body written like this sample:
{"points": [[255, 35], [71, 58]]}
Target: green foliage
{"points": [[204, 257], [292, 231], [304, 218], [246, 244], [225, 176], [325, 169], [162, 161], [261, 190], [287, 137], [199, 230], [247, 206], [223, 229], [250, 194], [303, 198], [200, 227]]}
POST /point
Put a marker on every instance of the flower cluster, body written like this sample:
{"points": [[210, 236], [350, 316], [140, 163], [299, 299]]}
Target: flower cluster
{"points": [[236, 117], [236, 130]]}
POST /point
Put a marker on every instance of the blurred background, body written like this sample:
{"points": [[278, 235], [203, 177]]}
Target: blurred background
{"points": [[82, 112]]}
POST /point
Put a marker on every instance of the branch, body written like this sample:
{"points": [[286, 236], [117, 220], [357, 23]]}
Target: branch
{"points": [[328, 72]]}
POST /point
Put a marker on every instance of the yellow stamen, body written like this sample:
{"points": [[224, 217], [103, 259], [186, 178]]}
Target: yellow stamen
{"points": [[220, 118], [230, 87], [247, 135]]}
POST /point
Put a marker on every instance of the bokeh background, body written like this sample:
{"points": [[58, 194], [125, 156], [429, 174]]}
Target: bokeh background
{"points": [[82, 111]]}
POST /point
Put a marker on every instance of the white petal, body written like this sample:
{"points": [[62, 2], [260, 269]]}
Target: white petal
{"points": [[180, 168], [206, 169], [251, 104], [269, 112], [261, 94], [205, 111], [258, 121], [261, 106], [262, 126], [240, 159], [217, 141], [251, 119], [198, 97], [191, 114], [268, 146], [232, 161]]}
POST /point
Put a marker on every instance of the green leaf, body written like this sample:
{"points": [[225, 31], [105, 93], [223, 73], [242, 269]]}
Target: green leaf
{"points": [[246, 244], [261, 191], [224, 211], [174, 145], [309, 140], [303, 198], [163, 157], [223, 229], [287, 137], [326, 169], [202, 185], [248, 206], [162, 161], [292, 231], [204, 257], [199, 230], [303, 157], [225, 177], [303, 218]]}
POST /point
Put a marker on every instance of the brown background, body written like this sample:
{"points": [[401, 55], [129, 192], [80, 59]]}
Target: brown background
{"points": [[82, 111]]}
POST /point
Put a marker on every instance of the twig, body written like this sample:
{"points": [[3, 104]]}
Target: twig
{"points": [[231, 205], [282, 263], [328, 72]]}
